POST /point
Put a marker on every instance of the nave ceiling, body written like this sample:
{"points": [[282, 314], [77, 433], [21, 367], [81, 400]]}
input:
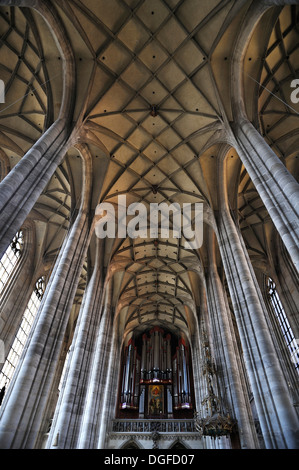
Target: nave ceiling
{"points": [[153, 97]]}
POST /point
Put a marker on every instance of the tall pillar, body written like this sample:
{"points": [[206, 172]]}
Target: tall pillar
{"points": [[277, 416], [90, 427], [53, 398], [109, 390], [227, 350], [68, 414], [277, 188], [22, 410], [21, 188]]}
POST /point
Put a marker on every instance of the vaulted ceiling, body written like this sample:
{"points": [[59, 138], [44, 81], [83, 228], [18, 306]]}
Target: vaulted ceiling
{"points": [[153, 94]]}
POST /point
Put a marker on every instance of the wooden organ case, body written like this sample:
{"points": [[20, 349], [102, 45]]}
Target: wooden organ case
{"points": [[156, 377]]}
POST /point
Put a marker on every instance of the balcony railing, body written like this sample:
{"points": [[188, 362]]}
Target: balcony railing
{"points": [[149, 426]]}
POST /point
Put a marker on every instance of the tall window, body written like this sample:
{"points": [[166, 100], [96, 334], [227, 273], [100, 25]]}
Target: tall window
{"points": [[23, 332], [285, 327], [10, 258]]}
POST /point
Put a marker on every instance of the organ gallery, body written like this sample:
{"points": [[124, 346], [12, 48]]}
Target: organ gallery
{"points": [[156, 381]]}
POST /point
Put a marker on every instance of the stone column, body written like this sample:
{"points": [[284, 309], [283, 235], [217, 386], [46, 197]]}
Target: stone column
{"points": [[276, 412], [68, 413], [23, 185], [228, 352], [53, 398], [22, 410], [109, 390], [90, 427], [277, 188]]}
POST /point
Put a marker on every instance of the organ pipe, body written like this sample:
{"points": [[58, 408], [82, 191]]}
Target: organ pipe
{"points": [[155, 363]]}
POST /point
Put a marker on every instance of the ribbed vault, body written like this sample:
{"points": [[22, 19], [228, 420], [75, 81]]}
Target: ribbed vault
{"points": [[26, 67], [154, 94]]}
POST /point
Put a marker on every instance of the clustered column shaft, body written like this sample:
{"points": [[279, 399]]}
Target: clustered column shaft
{"points": [[69, 409], [93, 406], [22, 411], [266, 378], [222, 332]]}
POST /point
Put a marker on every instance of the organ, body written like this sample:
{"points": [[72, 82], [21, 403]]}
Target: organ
{"points": [[156, 376]]}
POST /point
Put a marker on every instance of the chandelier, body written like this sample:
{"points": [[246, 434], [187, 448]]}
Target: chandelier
{"points": [[214, 426], [212, 420]]}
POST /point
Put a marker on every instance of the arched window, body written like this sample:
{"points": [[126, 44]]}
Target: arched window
{"points": [[22, 333], [283, 322], [10, 258]]}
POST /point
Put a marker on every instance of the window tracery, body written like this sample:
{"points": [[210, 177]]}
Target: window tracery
{"points": [[285, 328]]}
